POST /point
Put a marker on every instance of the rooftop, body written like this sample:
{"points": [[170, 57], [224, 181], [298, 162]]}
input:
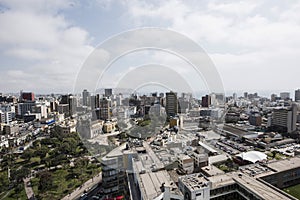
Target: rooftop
{"points": [[194, 181], [212, 170], [258, 188], [285, 164], [151, 183], [221, 180]]}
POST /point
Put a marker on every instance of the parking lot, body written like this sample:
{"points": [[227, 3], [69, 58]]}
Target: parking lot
{"points": [[231, 147]]}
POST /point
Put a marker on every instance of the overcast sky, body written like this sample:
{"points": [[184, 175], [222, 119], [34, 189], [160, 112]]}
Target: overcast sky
{"points": [[255, 45]]}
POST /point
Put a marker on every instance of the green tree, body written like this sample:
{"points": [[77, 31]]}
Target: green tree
{"points": [[45, 181], [27, 154]]}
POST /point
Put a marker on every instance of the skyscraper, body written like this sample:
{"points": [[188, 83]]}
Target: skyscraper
{"points": [[284, 95], [104, 109], [297, 95], [85, 98], [171, 104], [284, 119], [206, 101], [26, 96], [108, 92]]}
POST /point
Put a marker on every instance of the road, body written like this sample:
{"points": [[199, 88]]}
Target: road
{"points": [[85, 187]]}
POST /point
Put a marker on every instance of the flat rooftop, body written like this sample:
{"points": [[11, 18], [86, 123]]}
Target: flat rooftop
{"points": [[194, 181], [118, 151], [207, 147], [285, 164], [256, 170], [217, 158], [236, 130], [259, 189], [212, 170], [151, 183], [220, 180]]}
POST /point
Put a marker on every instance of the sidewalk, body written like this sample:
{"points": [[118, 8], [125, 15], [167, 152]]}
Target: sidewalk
{"points": [[86, 186], [28, 188]]}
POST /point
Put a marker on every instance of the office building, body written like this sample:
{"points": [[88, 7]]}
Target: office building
{"points": [[255, 119], [297, 95], [6, 117], [284, 119], [26, 96], [71, 101], [285, 95], [171, 104], [234, 96], [85, 98], [41, 109], [206, 101], [105, 113], [114, 167], [25, 107], [63, 109], [194, 187], [108, 92], [89, 129]]}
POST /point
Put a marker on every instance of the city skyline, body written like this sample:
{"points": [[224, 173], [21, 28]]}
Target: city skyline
{"points": [[44, 43]]}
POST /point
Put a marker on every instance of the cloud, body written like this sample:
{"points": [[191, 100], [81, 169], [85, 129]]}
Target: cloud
{"points": [[46, 47], [50, 48], [235, 8], [253, 43]]}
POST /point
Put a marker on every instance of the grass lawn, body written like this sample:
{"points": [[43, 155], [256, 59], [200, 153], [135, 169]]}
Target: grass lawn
{"points": [[294, 191], [35, 160]]}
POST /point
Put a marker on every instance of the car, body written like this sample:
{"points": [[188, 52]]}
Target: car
{"points": [[83, 196]]}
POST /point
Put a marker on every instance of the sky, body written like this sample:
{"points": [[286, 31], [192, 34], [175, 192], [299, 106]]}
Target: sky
{"points": [[254, 45]]}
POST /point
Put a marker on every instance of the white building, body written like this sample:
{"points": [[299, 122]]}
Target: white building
{"points": [[6, 117], [194, 187], [41, 109]]}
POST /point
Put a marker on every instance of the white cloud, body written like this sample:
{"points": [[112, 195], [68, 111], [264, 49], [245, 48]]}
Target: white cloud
{"points": [[246, 39], [235, 8], [251, 46], [50, 48]]}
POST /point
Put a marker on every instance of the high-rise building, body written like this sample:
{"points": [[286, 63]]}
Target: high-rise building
{"points": [[26, 96], [6, 117], [25, 107], [105, 109], [108, 92], [71, 101], [285, 95], [297, 95], [206, 101], [234, 96], [273, 97], [85, 98], [41, 109], [171, 104], [284, 119], [114, 167], [64, 99], [255, 119], [72, 105]]}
